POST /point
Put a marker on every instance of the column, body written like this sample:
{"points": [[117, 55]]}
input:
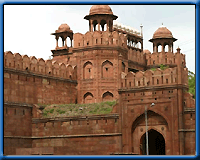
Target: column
{"points": [[56, 42], [170, 48], [91, 26], [156, 48], [71, 42], [63, 42], [98, 26], [163, 48], [66, 42]]}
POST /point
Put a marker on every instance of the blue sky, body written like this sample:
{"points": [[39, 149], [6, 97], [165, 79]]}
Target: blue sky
{"points": [[27, 28]]}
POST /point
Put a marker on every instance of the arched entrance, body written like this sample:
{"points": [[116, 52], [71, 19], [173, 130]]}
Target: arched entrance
{"points": [[156, 143]]}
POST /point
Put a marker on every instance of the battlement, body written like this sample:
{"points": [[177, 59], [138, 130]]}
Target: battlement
{"points": [[102, 38], [167, 58], [39, 66], [149, 78]]}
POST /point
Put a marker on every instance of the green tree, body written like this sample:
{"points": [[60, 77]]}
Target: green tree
{"points": [[191, 82]]}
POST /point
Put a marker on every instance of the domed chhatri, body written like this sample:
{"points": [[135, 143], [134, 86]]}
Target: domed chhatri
{"points": [[100, 15], [162, 32], [163, 36], [100, 9], [63, 28]]}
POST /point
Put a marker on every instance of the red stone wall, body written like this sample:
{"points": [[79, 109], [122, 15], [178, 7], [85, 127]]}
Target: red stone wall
{"points": [[14, 143], [76, 126], [100, 145], [37, 85], [17, 127], [98, 134]]}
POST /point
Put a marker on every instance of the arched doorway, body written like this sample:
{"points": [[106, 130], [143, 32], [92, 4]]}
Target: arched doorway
{"points": [[156, 143]]}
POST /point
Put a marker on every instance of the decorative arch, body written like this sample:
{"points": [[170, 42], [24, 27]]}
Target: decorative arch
{"points": [[159, 47], [88, 97], [107, 96], [88, 70], [140, 117], [107, 69], [156, 122], [156, 142]]}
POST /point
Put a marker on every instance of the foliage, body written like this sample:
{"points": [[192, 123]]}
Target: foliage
{"points": [[51, 110], [153, 69], [62, 110], [191, 82], [163, 67]]}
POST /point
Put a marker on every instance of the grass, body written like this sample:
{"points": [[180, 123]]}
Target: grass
{"points": [[63, 110]]}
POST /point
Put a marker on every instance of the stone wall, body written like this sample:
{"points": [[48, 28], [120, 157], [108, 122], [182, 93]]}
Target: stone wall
{"points": [[17, 127], [27, 81]]}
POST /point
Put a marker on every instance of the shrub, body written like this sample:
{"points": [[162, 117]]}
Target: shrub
{"points": [[61, 112], [153, 69], [110, 103], [51, 110]]}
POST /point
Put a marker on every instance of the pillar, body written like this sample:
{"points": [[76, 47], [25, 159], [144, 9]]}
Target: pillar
{"points": [[98, 26], [170, 48], [156, 47], [107, 27], [163, 48], [66, 42], [63, 42], [71, 42], [56, 42], [91, 26]]}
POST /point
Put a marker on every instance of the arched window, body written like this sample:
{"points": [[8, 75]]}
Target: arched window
{"points": [[123, 67], [68, 42], [139, 45], [159, 48], [59, 42], [88, 70], [107, 69], [166, 48], [107, 96], [157, 81], [88, 98]]}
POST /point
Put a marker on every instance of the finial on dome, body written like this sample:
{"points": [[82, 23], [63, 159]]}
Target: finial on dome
{"points": [[141, 30], [178, 50]]}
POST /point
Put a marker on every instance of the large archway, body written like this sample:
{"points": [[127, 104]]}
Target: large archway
{"points": [[156, 123], [156, 143]]}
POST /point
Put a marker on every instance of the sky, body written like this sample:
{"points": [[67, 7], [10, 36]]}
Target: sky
{"points": [[27, 28]]}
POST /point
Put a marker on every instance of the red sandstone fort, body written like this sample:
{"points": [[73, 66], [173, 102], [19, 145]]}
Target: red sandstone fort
{"points": [[106, 63]]}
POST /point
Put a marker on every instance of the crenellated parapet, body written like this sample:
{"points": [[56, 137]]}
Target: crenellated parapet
{"points": [[39, 66], [99, 38], [150, 78], [165, 58]]}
